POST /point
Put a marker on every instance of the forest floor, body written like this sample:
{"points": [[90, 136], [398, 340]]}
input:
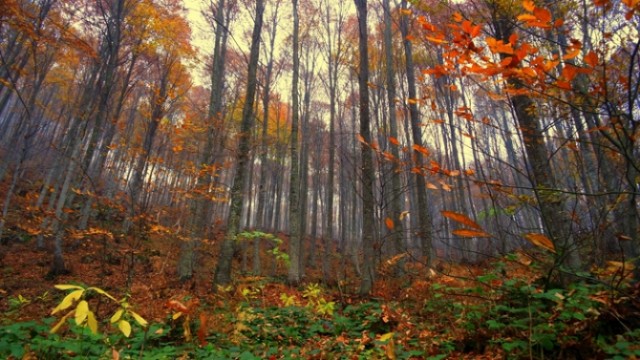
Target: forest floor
{"points": [[496, 310]]}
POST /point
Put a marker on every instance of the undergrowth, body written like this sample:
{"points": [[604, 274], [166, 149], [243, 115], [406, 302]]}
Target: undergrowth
{"points": [[491, 314]]}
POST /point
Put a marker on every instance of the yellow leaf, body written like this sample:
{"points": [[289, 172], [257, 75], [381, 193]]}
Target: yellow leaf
{"points": [[102, 292], [68, 300], [461, 218], [540, 240], [59, 324], [124, 327], [82, 310], [386, 336], [470, 233], [405, 12], [389, 223], [139, 319], [67, 287], [176, 315], [116, 316], [403, 215], [92, 322]]}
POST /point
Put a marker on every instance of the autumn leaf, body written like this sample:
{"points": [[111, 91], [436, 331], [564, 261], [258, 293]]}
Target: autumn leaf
{"points": [[389, 223], [572, 54], [540, 240], [124, 327], [591, 59], [528, 5], [542, 14], [436, 40], [68, 301], [421, 149], [470, 233], [461, 218], [393, 140]]}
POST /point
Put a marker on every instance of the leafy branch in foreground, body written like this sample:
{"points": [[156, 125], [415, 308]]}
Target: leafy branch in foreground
{"points": [[85, 317]]}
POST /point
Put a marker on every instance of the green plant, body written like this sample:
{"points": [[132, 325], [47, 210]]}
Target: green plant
{"points": [[278, 254], [85, 317]]}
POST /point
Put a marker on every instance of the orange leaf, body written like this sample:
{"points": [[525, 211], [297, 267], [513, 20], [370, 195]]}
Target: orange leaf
{"points": [[436, 40], [569, 72], [361, 138], [528, 5], [540, 240], [461, 218], [457, 17], [571, 54], [527, 18], [513, 39], [591, 59], [543, 15], [421, 149], [470, 233], [389, 223], [432, 186], [393, 140]]}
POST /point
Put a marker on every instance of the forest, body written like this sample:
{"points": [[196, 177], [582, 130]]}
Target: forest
{"points": [[319, 179]]}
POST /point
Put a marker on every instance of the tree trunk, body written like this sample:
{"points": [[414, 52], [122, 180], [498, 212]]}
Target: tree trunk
{"points": [[368, 222], [222, 275]]}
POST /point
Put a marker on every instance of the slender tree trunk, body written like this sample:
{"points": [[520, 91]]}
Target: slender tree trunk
{"points": [[222, 275], [368, 226], [295, 239], [425, 223]]}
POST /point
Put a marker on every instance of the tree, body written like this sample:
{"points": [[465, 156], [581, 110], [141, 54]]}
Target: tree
{"points": [[295, 240], [222, 275], [367, 172]]}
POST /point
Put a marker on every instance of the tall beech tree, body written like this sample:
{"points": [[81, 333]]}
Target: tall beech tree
{"points": [[222, 275], [295, 226], [367, 172]]}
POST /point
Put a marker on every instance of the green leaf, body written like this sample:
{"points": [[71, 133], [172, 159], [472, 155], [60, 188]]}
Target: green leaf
{"points": [[82, 311], [124, 327], [68, 301]]}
